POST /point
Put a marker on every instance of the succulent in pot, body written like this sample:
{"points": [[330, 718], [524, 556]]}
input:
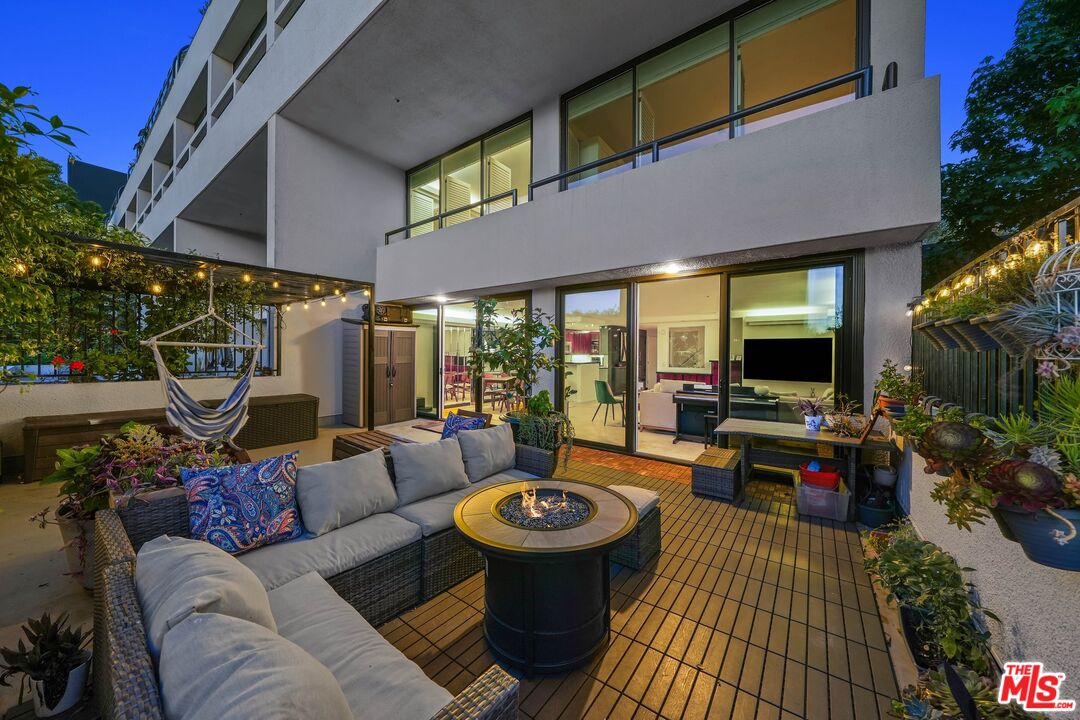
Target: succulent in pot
{"points": [[951, 444], [812, 409], [54, 665]]}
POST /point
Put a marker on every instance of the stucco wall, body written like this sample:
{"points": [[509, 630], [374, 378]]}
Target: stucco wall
{"points": [[331, 205], [866, 166], [893, 278], [1038, 605], [212, 241], [310, 363]]}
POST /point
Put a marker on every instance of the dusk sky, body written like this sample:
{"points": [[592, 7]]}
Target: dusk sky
{"points": [[100, 65]]}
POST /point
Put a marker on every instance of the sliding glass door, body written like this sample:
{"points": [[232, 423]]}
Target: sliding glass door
{"points": [[597, 363], [787, 340], [499, 393], [428, 372]]}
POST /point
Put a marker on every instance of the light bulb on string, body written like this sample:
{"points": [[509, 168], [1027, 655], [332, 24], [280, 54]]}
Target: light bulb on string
{"points": [[275, 284], [96, 261], [323, 302], [342, 298], [337, 291], [305, 304], [20, 267], [316, 287], [288, 307], [246, 277]]}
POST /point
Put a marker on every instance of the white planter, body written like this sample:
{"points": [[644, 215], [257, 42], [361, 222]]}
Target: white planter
{"points": [[76, 686], [78, 537], [813, 422], [884, 476]]}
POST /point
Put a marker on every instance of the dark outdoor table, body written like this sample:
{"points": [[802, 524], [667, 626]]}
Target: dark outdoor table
{"points": [[746, 430], [364, 441]]}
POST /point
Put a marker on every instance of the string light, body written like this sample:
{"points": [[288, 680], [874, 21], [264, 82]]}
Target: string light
{"points": [[337, 291], [366, 292], [157, 288], [246, 277], [288, 307], [316, 287], [969, 279], [275, 284], [305, 304], [342, 298], [1034, 249], [20, 267], [993, 271], [96, 261], [323, 302]]}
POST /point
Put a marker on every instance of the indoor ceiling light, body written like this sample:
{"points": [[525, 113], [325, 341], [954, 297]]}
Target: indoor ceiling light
{"points": [[790, 310]]}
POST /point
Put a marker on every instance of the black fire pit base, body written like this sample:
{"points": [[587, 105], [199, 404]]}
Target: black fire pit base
{"points": [[546, 616]]}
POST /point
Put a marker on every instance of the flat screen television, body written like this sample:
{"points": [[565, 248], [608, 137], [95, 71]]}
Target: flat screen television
{"points": [[790, 359]]}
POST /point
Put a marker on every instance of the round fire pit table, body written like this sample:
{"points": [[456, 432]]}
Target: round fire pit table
{"points": [[546, 582]]}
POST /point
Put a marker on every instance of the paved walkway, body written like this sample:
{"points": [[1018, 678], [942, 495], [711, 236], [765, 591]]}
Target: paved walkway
{"points": [[751, 612]]}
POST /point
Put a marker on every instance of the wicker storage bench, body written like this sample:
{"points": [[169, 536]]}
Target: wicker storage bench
{"points": [[643, 545], [716, 474], [272, 420]]}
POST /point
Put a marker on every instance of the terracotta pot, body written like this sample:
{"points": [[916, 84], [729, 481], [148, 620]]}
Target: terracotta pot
{"points": [[78, 537], [73, 692]]}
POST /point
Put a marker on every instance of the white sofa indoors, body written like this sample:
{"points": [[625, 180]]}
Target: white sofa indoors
{"points": [[656, 407], [283, 622]]}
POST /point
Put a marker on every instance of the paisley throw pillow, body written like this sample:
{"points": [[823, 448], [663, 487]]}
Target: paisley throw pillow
{"points": [[242, 507], [456, 423]]}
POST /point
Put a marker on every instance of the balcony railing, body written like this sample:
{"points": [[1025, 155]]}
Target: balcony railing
{"points": [[652, 148], [441, 217]]}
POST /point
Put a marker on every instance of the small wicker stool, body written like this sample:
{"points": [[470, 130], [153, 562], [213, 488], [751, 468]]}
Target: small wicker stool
{"points": [[716, 474], [644, 544]]}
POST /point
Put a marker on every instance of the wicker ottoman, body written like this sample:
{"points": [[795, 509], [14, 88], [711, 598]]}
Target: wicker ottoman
{"points": [[643, 545], [716, 474]]}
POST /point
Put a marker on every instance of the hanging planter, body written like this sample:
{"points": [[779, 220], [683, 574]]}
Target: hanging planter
{"points": [[938, 337], [977, 337], [1043, 536], [951, 327], [996, 329]]}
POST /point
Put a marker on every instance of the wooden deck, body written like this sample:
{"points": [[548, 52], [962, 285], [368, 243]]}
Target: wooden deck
{"points": [[751, 612]]}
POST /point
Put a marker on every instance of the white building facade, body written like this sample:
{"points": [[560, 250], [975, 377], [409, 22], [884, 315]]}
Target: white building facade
{"points": [[539, 155]]}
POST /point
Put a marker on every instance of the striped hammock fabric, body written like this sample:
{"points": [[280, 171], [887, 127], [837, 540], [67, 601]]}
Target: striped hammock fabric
{"points": [[195, 419]]}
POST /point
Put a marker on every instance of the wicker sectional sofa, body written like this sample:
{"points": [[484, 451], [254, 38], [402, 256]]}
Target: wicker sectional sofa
{"points": [[405, 562]]}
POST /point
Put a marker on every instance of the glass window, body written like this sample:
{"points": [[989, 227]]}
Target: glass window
{"points": [[508, 165], [460, 180], [599, 122], [423, 198], [784, 330], [499, 393], [788, 45], [683, 87]]}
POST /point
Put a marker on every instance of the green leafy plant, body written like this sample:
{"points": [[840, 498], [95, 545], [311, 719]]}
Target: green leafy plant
{"points": [[933, 699], [1018, 432], [920, 575], [894, 384], [54, 650], [523, 346]]}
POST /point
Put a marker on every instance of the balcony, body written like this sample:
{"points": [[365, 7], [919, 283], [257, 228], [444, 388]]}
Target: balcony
{"points": [[859, 173]]}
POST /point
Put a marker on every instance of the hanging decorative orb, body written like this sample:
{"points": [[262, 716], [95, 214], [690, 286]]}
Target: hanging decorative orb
{"points": [[1058, 286]]}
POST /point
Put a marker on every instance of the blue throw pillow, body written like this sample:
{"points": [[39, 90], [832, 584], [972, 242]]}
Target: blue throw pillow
{"points": [[456, 423], [242, 507]]}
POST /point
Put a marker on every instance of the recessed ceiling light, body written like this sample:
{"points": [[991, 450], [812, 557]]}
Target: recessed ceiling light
{"points": [[672, 268], [440, 298]]}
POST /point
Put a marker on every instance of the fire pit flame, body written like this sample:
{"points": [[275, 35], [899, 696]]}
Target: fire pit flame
{"points": [[539, 507]]}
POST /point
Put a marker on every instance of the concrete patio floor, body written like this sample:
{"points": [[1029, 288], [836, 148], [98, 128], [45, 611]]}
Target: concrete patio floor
{"points": [[751, 611]]}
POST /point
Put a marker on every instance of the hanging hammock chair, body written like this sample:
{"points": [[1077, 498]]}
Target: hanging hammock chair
{"points": [[185, 412]]}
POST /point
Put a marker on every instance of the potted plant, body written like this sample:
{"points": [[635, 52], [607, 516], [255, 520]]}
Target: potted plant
{"points": [[137, 460], [896, 392], [523, 346], [937, 608], [1024, 474], [54, 665], [844, 419], [812, 410], [876, 509]]}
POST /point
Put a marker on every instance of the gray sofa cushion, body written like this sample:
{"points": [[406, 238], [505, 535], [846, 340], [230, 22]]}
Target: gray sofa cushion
{"points": [[486, 452], [334, 494], [175, 577], [379, 682], [332, 553], [425, 469], [437, 513], [216, 667]]}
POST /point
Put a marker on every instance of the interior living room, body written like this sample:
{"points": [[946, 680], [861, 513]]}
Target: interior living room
{"points": [[780, 332]]}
